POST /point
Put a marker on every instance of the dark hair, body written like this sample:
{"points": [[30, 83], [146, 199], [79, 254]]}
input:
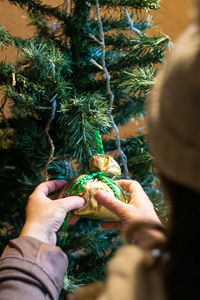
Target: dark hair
{"points": [[181, 271]]}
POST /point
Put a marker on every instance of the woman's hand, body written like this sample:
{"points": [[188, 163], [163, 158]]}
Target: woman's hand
{"points": [[139, 208], [45, 216], [139, 211]]}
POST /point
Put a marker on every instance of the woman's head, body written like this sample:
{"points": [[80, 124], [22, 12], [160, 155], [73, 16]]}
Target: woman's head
{"points": [[174, 136], [174, 113]]}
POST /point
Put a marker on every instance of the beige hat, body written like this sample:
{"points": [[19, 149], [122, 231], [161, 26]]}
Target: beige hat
{"points": [[174, 113]]}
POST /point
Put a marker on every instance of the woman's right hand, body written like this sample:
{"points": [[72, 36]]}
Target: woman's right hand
{"points": [[138, 210]]}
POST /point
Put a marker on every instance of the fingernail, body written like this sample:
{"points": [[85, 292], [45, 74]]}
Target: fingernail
{"points": [[82, 201]]}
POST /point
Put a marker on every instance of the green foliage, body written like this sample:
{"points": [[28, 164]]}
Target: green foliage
{"points": [[87, 244], [58, 95], [5, 37], [84, 115], [5, 72], [37, 7], [138, 82], [141, 51]]}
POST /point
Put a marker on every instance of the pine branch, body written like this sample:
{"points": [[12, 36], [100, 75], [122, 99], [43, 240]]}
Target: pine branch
{"points": [[6, 38], [140, 43], [82, 116], [6, 71], [107, 75], [36, 6], [110, 23], [42, 26], [138, 81], [141, 51]]}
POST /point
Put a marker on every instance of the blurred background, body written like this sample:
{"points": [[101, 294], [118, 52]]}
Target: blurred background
{"points": [[171, 19]]}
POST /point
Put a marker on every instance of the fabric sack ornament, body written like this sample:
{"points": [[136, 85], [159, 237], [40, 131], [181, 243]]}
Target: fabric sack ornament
{"points": [[87, 185]]}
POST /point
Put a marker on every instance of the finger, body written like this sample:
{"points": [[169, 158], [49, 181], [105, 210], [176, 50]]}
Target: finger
{"points": [[133, 186], [109, 201], [70, 203], [111, 225], [127, 185], [47, 187]]}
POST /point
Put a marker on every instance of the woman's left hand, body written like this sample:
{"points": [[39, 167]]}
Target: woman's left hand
{"points": [[45, 216]]}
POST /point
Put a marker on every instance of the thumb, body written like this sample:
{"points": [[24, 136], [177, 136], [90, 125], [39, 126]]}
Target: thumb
{"points": [[70, 203], [110, 202]]}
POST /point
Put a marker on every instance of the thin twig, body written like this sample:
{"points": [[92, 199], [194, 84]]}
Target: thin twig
{"points": [[13, 79], [96, 64], [107, 75], [47, 128], [67, 6], [9, 167], [130, 22], [90, 5], [133, 28], [114, 153], [95, 39], [43, 107]]}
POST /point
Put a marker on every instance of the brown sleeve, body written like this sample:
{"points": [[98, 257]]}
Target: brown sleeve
{"points": [[30, 269]]}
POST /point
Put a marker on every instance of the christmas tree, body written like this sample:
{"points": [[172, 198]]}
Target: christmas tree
{"points": [[87, 70]]}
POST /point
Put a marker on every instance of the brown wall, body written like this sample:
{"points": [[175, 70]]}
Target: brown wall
{"points": [[172, 18]]}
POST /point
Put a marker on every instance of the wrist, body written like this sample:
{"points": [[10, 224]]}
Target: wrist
{"points": [[146, 238], [36, 231], [145, 234]]}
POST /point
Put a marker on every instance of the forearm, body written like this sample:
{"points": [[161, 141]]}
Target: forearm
{"points": [[30, 269]]}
